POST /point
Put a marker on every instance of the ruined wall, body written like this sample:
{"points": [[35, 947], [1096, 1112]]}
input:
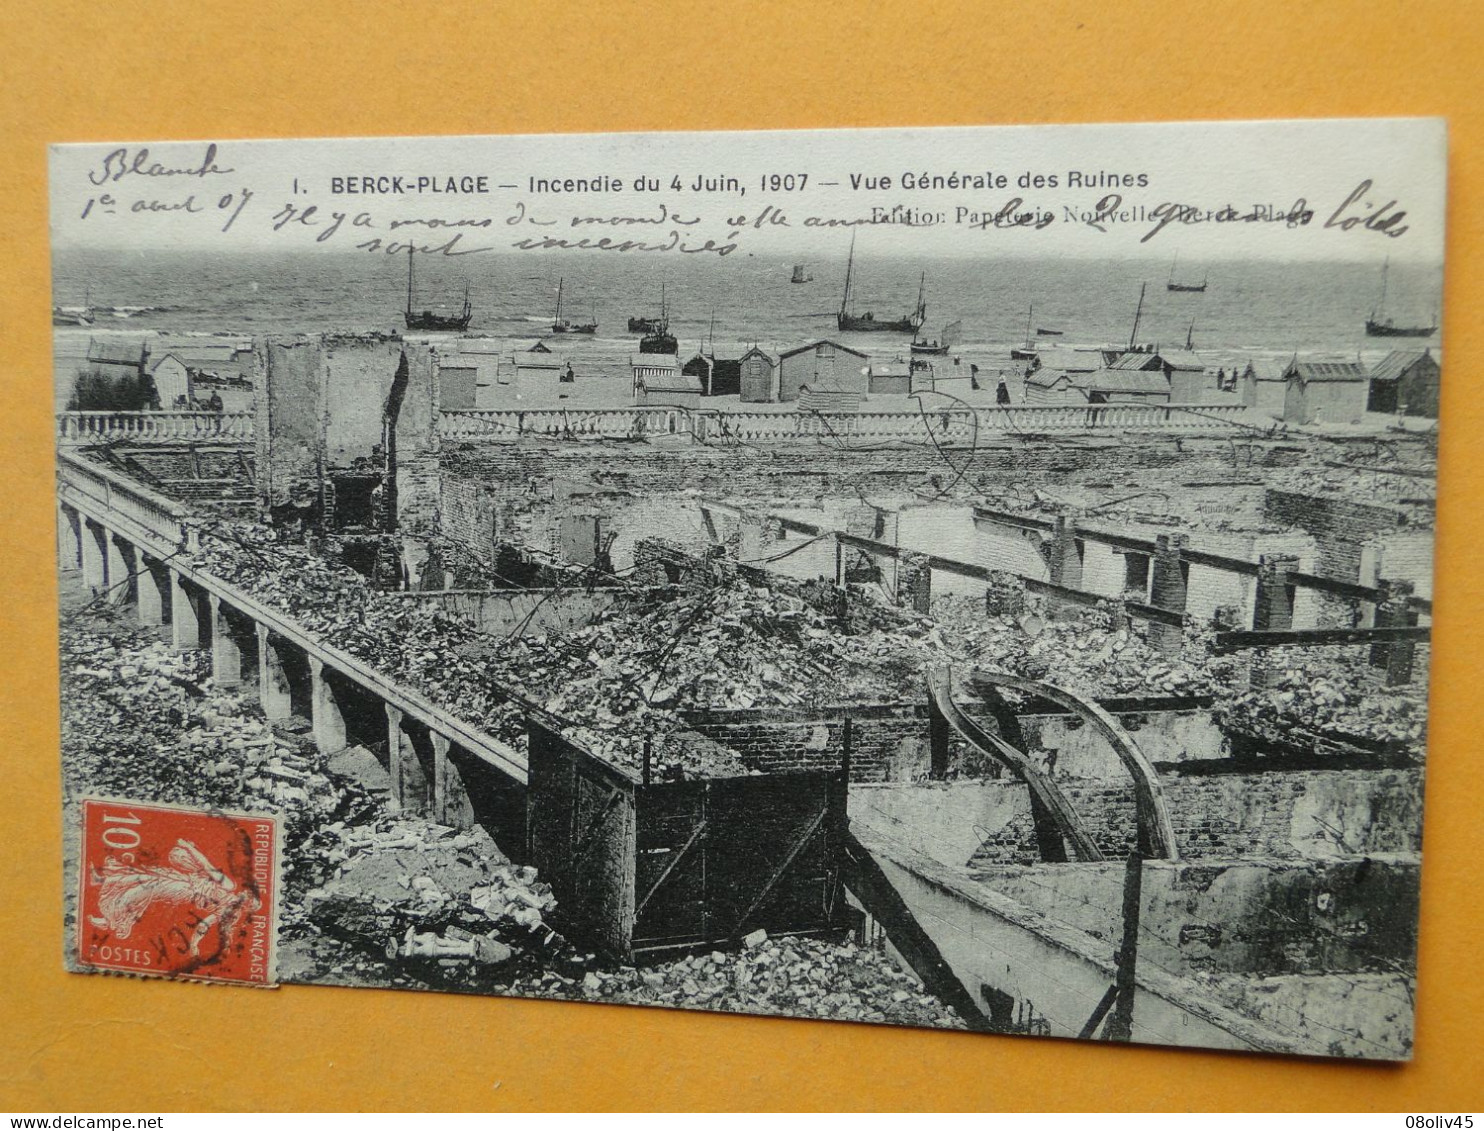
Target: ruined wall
{"points": [[324, 408], [1403, 556], [1083, 752], [288, 421], [805, 470], [418, 473], [1341, 526], [357, 376], [1314, 814], [1338, 916]]}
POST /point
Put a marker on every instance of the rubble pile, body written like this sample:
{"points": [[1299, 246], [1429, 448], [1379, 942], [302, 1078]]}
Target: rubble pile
{"points": [[1083, 652], [143, 721], [609, 683], [794, 977], [378, 897], [630, 672], [401, 887]]}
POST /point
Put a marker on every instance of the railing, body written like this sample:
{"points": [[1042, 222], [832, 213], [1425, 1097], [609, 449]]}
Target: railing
{"points": [[954, 425], [152, 513], [162, 528], [154, 427]]}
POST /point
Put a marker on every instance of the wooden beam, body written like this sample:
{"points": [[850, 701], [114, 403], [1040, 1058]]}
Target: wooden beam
{"points": [[1121, 1023], [1318, 637], [1099, 1013]]}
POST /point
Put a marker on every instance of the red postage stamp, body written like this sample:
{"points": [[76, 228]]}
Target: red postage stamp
{"points": [[178, 892]]}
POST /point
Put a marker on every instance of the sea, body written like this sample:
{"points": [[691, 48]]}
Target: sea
{"points": [[1249, 308]]}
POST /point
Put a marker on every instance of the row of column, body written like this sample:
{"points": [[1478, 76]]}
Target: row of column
{"points": [[423, 775]]}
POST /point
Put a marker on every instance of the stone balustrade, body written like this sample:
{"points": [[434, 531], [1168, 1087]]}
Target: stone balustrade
{"points": [[956, 425], [155, 427], [148, 513]]}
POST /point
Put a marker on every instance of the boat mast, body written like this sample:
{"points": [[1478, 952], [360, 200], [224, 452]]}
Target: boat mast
{"points": [[849, 266], [1381, 306], [1138, 313], [1173, 263], [1030, 312], [409, 278], [558, 317]]}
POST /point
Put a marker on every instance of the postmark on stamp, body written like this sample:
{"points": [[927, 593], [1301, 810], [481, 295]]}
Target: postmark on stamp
{"points": [[178, 892]]}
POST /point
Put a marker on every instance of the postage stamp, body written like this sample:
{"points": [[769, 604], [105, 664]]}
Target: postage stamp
{"points": [[178, 892]]}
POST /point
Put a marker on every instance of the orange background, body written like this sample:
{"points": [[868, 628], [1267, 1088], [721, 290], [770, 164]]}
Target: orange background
{"points": [[181, 69]]}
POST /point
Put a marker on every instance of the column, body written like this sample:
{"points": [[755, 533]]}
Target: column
{"points": [[394, 752], [69, 538], [451, 805], [1004, 596], [273, 682], [185, 619], [1372, 554], [1066, 558], [415, 744], [150, 604], [117, 565], [226, 653], [1167, 589], [915, 584], [1395, 612], [94, 568], [1274, 606], [327, 723]]}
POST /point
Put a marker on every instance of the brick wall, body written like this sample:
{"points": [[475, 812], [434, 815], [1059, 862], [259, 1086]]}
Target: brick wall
{"points": [[888, 743], [1340, 526]]}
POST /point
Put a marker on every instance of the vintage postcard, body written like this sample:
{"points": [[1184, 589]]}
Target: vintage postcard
{"points": [[976, 578]]}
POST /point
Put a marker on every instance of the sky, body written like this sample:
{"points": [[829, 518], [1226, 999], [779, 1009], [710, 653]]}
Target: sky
{"points": [[1348, 190]]}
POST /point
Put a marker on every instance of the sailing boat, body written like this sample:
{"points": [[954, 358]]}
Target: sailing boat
{"points": [[1191, 288], [426, 319], [644, 324], [560, 325], [867, 321], [939, 348], [1380, 326], [799, 276], [1133, 335], [1026, 352], [658, 339], [74, 315]]}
